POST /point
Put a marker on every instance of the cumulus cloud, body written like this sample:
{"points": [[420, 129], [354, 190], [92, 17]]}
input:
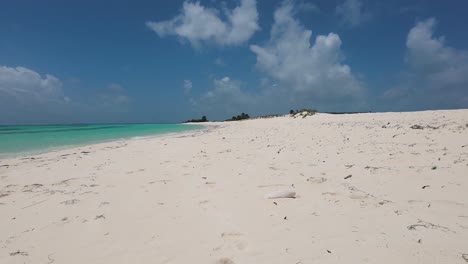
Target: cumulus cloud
{"points": [[187, 86], [295, 74], [352, 12], [314, 70], [436, 76], [26, 95], [26, 85], [197, 24]]}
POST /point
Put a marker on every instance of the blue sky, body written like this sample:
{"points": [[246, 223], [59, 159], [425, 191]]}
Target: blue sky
{"points": [[168, 61]]}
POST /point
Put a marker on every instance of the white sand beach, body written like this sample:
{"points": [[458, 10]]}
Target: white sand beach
{"points": [[369, 189]]}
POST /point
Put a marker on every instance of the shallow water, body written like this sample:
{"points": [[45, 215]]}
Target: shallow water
{"points": [[16, 140]]}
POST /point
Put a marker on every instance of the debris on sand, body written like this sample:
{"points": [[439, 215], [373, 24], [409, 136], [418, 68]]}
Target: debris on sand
{"points": [[100, 217], [18, 252], [225, 261], [316, 180], [281, 194], [429, 226], [421, 127]]}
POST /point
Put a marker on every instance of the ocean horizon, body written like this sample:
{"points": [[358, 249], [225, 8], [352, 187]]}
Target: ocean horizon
{"points": [[17, 140]]}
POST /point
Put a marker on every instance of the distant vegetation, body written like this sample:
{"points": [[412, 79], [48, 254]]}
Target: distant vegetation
{"points": [[346, 113], [242, 116], [302, 113], [203, 119], [292, 112], [270, 116]]}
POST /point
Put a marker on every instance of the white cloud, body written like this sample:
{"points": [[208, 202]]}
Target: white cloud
{"points": [[26, 96], [29, 97], [315, 70], [115, 87], [220, 62], [428, 54], [187, 86], [296, 74], [437, 74], [27, 85], [352, 12], [197, 24]]}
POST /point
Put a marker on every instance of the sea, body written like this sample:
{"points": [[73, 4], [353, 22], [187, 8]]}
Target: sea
{"points": [[34, 139]]}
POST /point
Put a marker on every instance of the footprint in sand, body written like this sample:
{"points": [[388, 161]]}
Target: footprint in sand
{"points": [[358, 197], [32, 187], [225, 261], [317, 180], [207, 205], [232, 241], [70, 202]]}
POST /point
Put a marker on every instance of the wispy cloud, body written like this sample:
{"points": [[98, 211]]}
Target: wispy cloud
{"points": [[114, 97], [115, 87], [198, 24], [220, 62], [353, 13], [225, 99], [308, 7], [187, 86]]}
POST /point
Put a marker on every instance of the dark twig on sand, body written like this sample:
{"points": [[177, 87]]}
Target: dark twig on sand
{"points": [[34, 204], [18, 252], [100, 217]]}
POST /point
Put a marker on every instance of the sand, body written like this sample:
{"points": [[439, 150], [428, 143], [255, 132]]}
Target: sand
{"points": [[368, 189]]}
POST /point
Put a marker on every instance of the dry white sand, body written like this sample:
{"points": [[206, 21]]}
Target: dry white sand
{"points": [[369, 189]]}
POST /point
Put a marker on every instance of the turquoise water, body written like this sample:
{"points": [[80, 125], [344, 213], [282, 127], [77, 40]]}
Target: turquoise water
{"points": [[15, 140]]}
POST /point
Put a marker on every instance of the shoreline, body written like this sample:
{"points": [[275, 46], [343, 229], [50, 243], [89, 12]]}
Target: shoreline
{"points": [[376, 188], [5, 156]]}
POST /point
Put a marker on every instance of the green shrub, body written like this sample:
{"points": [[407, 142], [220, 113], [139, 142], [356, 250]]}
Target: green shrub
{"points": [[203, 119], [242, 116]]}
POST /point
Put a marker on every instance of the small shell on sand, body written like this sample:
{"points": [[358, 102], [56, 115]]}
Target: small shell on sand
{"points": [[281, 194]]}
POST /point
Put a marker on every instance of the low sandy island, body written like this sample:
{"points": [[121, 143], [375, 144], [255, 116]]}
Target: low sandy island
{"points": [[370, 188]]}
